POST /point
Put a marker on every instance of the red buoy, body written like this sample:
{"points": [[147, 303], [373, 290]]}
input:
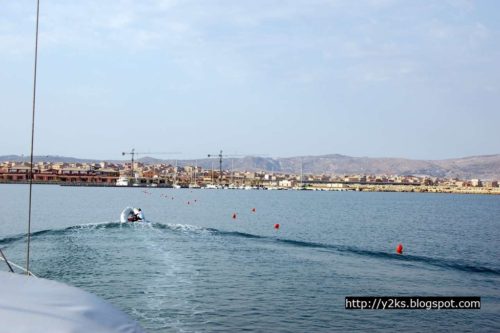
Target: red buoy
{"points": [[253, 210], [399, 249], [234, 215], [277, 226]]}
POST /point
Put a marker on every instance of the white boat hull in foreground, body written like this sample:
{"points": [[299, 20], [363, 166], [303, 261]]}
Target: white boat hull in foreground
{"points": [[30, 304]]}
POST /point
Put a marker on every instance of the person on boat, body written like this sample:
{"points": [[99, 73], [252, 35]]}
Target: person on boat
{"points": [[137, 215]]}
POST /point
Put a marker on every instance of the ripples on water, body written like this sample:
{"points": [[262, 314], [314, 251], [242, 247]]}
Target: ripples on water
{"points": [[199, 270]]}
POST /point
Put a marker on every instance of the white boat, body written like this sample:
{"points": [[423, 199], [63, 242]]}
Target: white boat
{"points": [[122, 181], [30, 304], [130, 214]]}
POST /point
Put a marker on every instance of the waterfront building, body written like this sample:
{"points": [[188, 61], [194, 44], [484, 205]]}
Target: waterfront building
{"points": [[476, 183]]}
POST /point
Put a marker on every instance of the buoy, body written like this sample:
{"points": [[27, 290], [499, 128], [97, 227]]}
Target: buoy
{"points": [[399, 249], [189, 203], [277, 226], [253, 210], [234, 215]]}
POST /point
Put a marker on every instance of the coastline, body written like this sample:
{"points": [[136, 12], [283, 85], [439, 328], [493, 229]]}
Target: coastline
{"points": [[316, 187]]}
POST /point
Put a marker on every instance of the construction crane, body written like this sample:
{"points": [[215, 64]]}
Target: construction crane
{"points": [[220, 156], [133, 153], [220, 163]]}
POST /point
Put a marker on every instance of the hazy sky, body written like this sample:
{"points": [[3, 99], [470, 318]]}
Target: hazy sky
{"points": [[417, 79]]}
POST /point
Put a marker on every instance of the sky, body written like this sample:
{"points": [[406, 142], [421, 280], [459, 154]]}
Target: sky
{"points": [[376, 78]]}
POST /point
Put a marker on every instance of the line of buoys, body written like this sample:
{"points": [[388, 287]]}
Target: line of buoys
{"points": [[235, 215], [399, 249]]}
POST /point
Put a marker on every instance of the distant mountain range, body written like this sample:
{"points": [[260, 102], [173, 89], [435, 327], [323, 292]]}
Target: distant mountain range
{"points": [[485, 167]]}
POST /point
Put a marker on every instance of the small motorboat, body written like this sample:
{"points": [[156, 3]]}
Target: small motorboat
{"points": [[130, 214]]}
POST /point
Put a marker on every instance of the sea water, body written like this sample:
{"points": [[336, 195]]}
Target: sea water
{"points": [[194, 268]]}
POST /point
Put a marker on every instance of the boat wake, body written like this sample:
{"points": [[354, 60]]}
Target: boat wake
{"points": [[459, 265]]}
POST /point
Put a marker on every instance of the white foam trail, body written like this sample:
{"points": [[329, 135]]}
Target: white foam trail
{"points": [[91, 225], [185, 227]]}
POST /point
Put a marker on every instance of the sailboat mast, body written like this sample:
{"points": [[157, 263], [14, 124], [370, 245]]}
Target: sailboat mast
{"points": [[132, 166], [301, 170], [32, 139]]}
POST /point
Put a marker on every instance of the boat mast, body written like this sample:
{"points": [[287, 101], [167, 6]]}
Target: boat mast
{"points": [[194, 173], [32, 139], [175, 174], [132, 166], [232, 170], [301, 171]]}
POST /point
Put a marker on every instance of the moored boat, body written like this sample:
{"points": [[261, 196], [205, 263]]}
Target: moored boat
{"points": [[122, 181]]}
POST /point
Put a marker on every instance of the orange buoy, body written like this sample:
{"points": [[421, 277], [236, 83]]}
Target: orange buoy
{"points": [[277, 226], [234, 215], [399, 249], [253, 210]]}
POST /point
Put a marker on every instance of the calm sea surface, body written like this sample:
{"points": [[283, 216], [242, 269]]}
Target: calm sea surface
{"points": [[195, 268]]}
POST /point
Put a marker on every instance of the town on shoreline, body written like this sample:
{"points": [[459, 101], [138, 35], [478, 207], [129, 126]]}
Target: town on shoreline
{"points": [[190, 176]]}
